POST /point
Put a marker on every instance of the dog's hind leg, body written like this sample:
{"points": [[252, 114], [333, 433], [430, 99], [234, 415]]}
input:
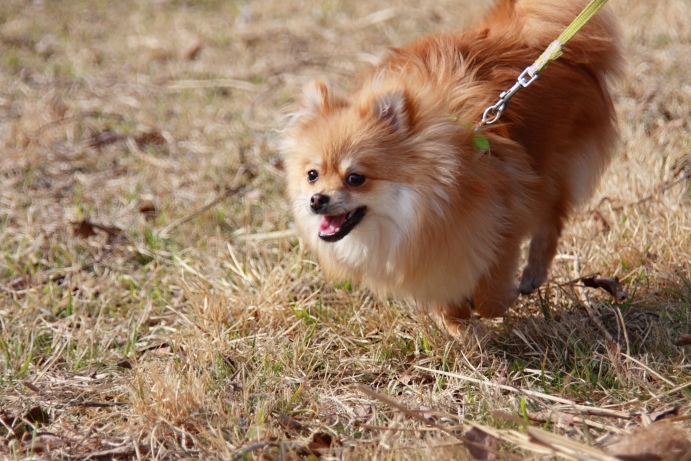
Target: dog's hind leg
{"points": [[543, 247]]}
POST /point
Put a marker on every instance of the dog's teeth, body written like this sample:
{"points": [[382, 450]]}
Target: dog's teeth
{"points": [[338, 229], [350, 215]]}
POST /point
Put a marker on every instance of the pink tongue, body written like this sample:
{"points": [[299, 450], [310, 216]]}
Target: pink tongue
{"points": [[329, 224]]}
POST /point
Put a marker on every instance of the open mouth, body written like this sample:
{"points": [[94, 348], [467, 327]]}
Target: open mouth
{"points": [[333, 228]]}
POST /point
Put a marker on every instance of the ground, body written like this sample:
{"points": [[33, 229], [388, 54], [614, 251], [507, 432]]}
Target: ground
{"points": [[136, 322]]}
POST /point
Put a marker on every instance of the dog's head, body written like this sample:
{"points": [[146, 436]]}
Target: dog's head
{"points": [[366, 173]]}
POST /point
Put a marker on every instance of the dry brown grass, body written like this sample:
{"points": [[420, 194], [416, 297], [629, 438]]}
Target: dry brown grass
{"points": [[201, 343]]}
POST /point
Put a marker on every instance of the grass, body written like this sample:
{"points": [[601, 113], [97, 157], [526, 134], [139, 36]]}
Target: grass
{"points": [[126, 342]]}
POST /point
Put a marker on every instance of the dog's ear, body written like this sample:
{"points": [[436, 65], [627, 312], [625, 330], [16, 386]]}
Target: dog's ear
{"points": [[392, 108], [319, 97]]}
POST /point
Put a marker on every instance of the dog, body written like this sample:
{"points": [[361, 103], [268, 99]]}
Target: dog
{"points": [[391, 187]]}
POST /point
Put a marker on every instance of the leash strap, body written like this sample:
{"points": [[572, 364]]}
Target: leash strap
{"points": [[551, 53]]}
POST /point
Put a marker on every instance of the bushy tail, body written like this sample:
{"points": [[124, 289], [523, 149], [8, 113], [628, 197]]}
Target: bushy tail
{"points": [[539, 22]]}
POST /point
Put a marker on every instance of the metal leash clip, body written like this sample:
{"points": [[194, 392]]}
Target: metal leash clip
{"points": [[552, 52], [496, 110]]}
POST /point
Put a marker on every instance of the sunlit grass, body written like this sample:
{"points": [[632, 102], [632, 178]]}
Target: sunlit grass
{"points": [[193, 343]]}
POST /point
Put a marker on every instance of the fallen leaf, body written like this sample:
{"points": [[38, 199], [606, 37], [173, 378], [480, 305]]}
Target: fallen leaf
{"points": [[193, 49], [150, 137], [7, 419], [59, 279], [37, 415], [31, 386], [148, 208], [683, 340], [600, 222], [321, 442], [36, 446], [479, 439], [165, 347], [667, 412], [19, 283], [363, 411], [417, 378], [610, 285], [124, 363], [555, 417], [162, 352], [659, 441], [105, 138], [288, 422], [84, 229]]}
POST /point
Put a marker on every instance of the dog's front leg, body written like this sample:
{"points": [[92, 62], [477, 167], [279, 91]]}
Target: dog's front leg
{"points": [[497, 290], [543, 247]]}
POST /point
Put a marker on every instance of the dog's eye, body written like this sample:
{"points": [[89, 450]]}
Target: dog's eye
{"points": [[312, 175], [355, 179]]}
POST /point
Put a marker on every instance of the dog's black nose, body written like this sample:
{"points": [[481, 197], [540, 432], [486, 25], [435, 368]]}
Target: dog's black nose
{"points": [[318, 202]]}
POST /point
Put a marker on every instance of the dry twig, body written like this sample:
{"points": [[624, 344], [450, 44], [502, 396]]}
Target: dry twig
{"points": [[590, 309], [164, 232], [415, 415], [251, 448]]}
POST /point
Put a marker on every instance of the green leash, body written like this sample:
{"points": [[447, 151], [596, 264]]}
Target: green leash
{"points": [[553, 52]]}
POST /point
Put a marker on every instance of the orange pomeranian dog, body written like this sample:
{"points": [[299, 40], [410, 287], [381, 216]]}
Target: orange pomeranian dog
{"points": [[390, 188]]}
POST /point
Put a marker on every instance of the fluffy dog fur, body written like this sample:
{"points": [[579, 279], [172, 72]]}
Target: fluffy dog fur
{"points": [[443, 221]]}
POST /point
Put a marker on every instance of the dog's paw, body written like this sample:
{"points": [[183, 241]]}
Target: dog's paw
{"points": [[455, 327], [531, 280]]}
